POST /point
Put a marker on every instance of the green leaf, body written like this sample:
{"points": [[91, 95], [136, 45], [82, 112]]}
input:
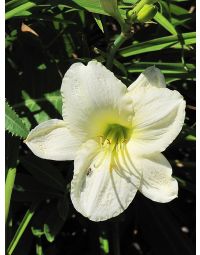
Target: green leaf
{"points": [[54, 223], [165, 23], [166, 68], [98, 21], [111, 7], [177, 10], [94, 6], [181, 20], [19, 10], [104, 244], [190, 138], [13, 123], [55, 99], [175, 41], [23, 225], [10, 179], [32, 104]]}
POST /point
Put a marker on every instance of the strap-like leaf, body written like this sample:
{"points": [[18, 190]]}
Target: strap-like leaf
{"points": [[13, 123], [175, 41]]}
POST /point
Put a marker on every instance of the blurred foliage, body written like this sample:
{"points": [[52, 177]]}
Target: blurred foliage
{"points": [[43, 38]]}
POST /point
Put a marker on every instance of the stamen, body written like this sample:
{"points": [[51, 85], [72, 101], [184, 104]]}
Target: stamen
{"points": [[114, 138]]}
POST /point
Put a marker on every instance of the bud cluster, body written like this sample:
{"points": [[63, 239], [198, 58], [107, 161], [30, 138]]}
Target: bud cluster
{"points": [[142, 12]]}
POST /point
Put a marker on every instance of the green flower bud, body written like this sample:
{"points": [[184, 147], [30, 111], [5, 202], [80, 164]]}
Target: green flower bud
{"points": [[147, 12], [142, 3]]}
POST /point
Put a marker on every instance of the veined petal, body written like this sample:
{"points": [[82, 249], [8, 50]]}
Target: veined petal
{"points": [[92, 97], [103, 185], [159, 117], [151, 76], [157, 183], [53, 140]]}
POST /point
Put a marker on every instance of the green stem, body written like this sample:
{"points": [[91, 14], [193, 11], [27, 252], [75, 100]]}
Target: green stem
{"points": [[121, 38], [24, 223], [10, 179], [18, 9]]}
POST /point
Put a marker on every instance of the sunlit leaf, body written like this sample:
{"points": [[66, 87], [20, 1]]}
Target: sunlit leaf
{"points": [[165, 23], [174, 41], [13, 123]]}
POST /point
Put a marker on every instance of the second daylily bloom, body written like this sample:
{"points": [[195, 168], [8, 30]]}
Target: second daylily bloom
{"points": [[115, 135]]}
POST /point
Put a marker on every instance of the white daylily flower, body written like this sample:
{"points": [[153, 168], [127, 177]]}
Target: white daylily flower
{"points": [[115, 136]]}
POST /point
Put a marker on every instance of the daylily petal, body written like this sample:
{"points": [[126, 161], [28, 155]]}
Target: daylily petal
{"points": [[157, 183], [159, 117], [92, 96], [151, 76], [102, 186], [52, 140]]}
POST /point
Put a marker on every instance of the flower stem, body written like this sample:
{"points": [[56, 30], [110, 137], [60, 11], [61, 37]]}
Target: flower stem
{"points": [[10, 179], [117, 43], [121, 38]]}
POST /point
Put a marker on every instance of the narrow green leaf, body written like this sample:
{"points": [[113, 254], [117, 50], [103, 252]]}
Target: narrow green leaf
{"points": [[10, 179], [165, 23], [98, 21], [55, 99], [18, 10], [13, 123], [53, 223], [166, 68], [104, 244], [174, 41], [190, 138], [181, 20], [32, 104], [177, 10], [23, 225]]}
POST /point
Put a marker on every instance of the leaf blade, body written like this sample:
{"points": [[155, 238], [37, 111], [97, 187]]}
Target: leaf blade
{"points": [[13, 123]]}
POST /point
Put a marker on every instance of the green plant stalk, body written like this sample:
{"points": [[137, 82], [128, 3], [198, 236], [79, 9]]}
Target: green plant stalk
{"points": [[24, 223], [10, 179], [19, 9], [121, 38]]}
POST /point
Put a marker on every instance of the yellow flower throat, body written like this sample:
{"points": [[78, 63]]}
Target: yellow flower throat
{"points": [[114, 137]]}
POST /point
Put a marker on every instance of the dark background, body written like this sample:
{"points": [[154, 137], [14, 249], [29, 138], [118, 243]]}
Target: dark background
{"points": [[35, 66]]}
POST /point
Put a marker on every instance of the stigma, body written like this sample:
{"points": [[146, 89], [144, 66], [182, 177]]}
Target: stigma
{"points": [[114, 137]]}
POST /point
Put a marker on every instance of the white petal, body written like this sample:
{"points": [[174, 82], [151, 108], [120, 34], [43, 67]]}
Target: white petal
{"points": [[151, 76], [52, 140], [159, 117], [102, 186], [92, 96], [157, 183]]}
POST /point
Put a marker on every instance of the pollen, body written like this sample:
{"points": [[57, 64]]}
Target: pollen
{"points": [[114, 137]]}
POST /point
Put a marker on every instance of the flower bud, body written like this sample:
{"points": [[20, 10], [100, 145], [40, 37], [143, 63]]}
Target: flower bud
{"points": [[147, 12]]}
